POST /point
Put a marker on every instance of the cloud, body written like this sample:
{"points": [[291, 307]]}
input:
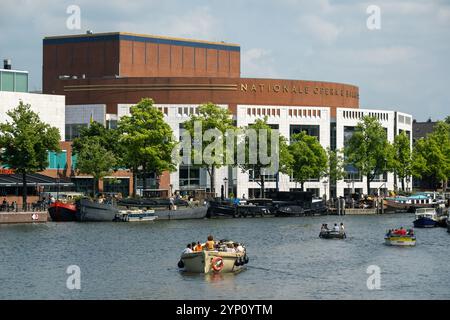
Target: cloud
{"points": [[319, 29], [257, 62]]}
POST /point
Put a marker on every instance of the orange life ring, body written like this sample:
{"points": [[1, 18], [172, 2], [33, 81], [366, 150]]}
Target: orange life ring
{"points": [[217, 263]]}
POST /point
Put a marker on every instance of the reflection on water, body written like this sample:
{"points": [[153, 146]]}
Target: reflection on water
{"points": [[287, 260]]}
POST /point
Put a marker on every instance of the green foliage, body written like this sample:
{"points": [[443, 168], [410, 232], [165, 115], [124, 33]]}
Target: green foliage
{"points": [[147, 140], [402, 157], [431, 155], [211, 117], [309, 158], [25, 142], [335, 170], [94, 159], [368, 149], [261, 168], [108, 139]]}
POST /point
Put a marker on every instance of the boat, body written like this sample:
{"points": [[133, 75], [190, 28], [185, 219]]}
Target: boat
{"points": [[136, 215], [426, 218], [244, 208], [213, 261], [411, 203], [60, 211], [407, 239], [331, 234], [448, 224], [92, 211], [89, 210]]}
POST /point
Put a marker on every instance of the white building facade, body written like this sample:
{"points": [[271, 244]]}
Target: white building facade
{"points": [[332, 132]]}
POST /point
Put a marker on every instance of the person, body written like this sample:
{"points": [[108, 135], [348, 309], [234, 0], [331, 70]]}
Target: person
{"points": [[198, 247], [342, 228], [238, 247], [402, 231], [172, 203], [230, 248], [210, 244], [336, 227], [325, 227], [243, 196], [193, 246], [188, 249]]}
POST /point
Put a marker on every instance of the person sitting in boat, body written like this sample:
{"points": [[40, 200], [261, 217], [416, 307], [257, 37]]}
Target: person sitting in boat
{"points": [[238, 247], [342, 229], [230, 248], [410, 232], [336, 227], [188, 249], [210, 244], [198, 247]]}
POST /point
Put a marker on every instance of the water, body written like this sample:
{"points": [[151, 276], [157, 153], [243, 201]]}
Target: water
{"points": [[287, 260]]}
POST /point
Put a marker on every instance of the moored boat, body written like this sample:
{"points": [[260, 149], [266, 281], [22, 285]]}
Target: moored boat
{"points": [[89, 210], [426, 218], [60, 211], [400, 237], [136, 215], [413, 202]]}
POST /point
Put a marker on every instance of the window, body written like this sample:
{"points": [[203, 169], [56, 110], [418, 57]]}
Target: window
{"points": [[57, 160], [189, 177], [311, 130]]}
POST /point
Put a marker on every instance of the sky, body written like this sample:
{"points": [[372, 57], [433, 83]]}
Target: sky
{"points": [[404, 65]]}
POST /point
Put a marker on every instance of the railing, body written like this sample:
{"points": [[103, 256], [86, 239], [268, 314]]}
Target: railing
{"points": [[30, 207]]}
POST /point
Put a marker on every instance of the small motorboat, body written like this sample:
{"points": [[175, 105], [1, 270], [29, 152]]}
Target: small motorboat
{"points": [[217, 261], [332, 234], [426, 218], [135, 215], [400, 237]]}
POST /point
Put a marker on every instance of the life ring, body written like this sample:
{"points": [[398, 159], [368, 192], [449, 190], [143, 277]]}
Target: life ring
{"points": [[217, 263], [35, 216]]}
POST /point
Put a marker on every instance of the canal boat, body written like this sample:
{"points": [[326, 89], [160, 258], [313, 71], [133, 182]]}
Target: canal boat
{"points": [[213, 261], [62, 212], [413, 202], [426, 218], [108, 210], [331, 234], [239, 208], [397, 238]]}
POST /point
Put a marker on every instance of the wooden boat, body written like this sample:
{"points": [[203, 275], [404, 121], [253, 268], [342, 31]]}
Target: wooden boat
{"points": [[213, 261]]}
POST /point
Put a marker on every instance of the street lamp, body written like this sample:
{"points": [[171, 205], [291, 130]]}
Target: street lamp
{"points": [[225, 180], [325, 183]]}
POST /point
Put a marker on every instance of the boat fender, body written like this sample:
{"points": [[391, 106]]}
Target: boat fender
{"points": [[180, 264], [217, 263], [246, 259]]}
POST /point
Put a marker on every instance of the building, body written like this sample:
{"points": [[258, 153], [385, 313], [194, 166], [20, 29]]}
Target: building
{"points": [[102, 75]]}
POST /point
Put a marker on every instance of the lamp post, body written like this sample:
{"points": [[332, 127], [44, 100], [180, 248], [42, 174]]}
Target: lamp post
{"points": [[325, 183], [225, 180]]}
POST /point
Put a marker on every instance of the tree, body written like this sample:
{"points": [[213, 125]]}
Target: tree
{"points": [[431, 155], [211, 118], [147, 141], [335, 169], [402, 157], [368, 149], [108, 139], [95, 160], [25, 143], [260, 167], [309, 158]]}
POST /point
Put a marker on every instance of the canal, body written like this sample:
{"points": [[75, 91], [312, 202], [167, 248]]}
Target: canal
{"points": [[287, 260]]}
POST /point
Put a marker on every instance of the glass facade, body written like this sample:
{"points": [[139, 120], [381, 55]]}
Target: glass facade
{"points": [[57, 160], [311, 130], [13, 81]]}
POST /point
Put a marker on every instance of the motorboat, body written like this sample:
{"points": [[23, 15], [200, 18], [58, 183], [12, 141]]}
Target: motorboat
{"points": [[332, 234], [426, 218], [400, 237], [136, 215], [217, 261]]}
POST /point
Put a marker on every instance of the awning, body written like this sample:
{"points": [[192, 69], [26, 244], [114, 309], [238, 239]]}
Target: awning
{"points": [[36, 179]]}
